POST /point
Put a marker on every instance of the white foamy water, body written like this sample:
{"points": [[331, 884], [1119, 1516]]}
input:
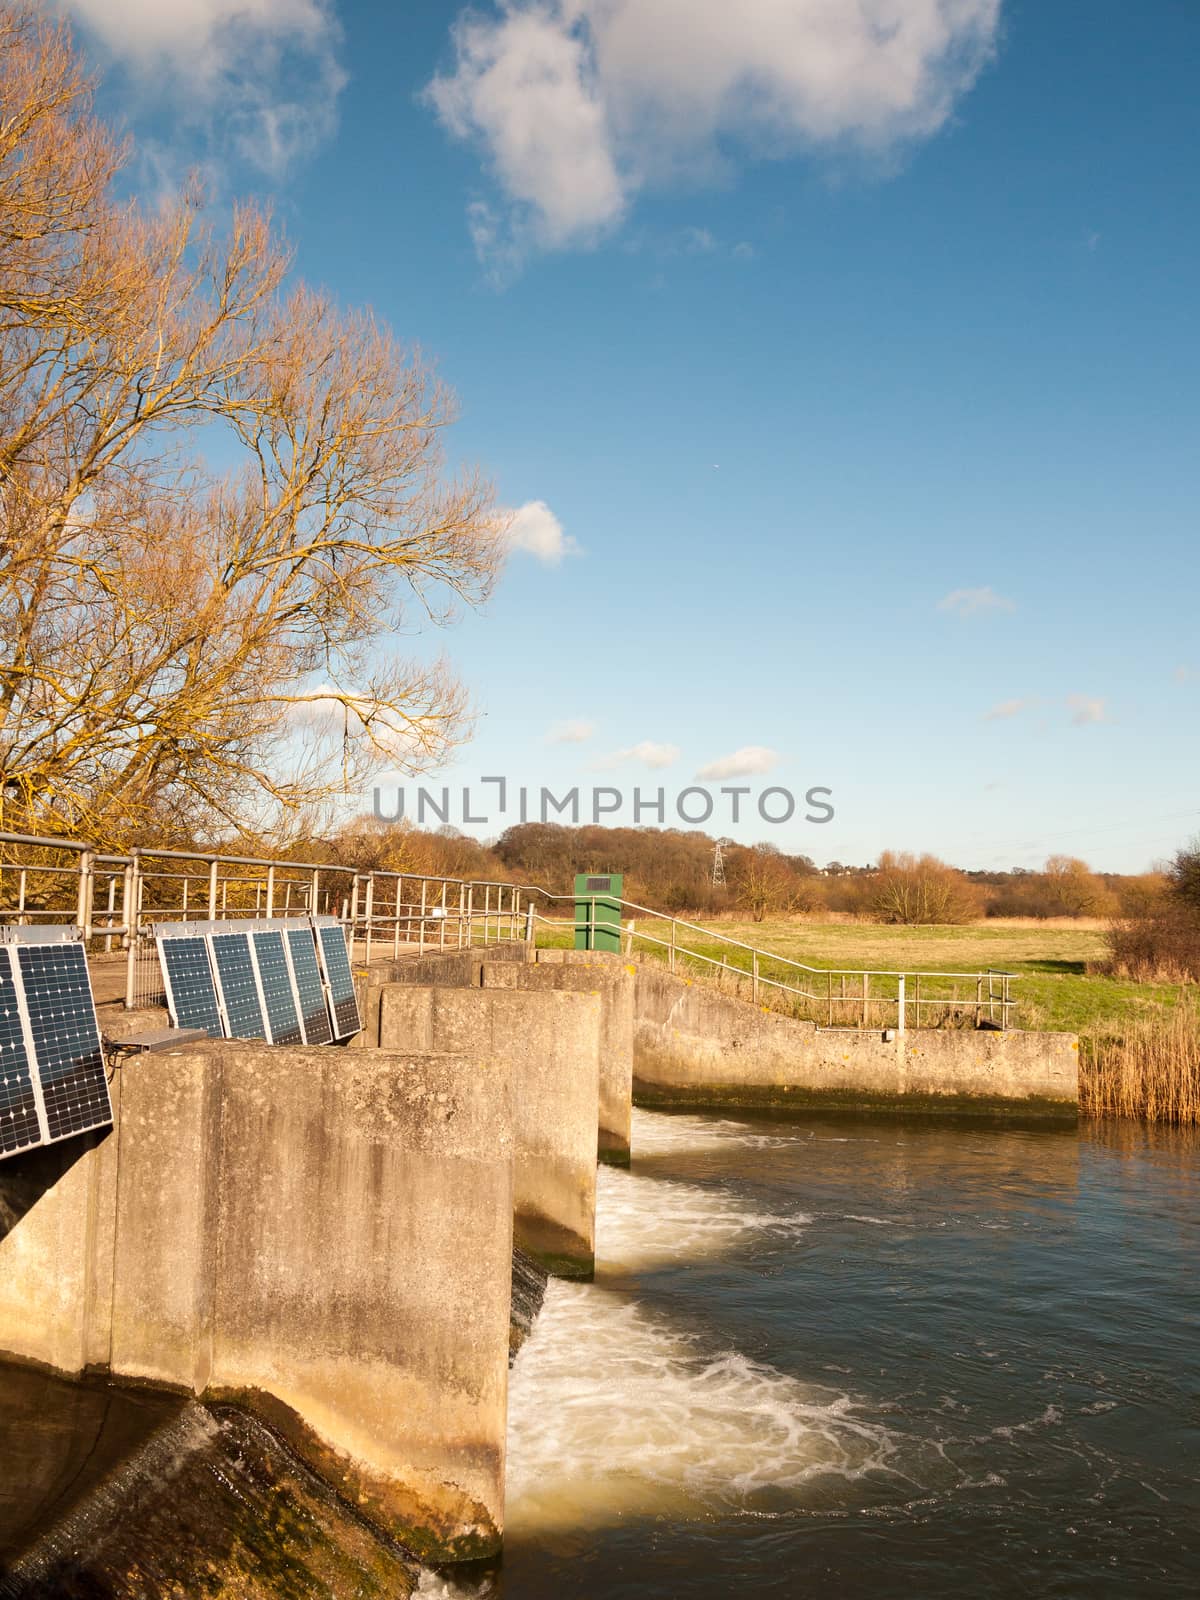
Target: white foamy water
{"points": [[647, 1222], [613, 1411], [658, 1133]]}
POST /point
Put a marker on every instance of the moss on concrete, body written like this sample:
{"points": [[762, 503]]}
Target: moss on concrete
{"points": [[755, 1097]]}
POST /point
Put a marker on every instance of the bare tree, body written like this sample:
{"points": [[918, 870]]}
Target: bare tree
{"points": [[921, 889], [762, 881], [178, 641], [1072, 889]]}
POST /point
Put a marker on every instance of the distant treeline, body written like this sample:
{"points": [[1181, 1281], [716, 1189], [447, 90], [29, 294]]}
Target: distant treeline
{"points": [[670, 869]]}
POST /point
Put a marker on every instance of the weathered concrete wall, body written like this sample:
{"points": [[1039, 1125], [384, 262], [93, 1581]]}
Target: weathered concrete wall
{"points": [[580, 958], [553, 1042], [694, 1045], [324, 1235], [615, 984], [450, 968]]}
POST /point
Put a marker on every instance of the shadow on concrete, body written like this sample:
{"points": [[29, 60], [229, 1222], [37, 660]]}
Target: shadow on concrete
{"points": [[25, 1178]]}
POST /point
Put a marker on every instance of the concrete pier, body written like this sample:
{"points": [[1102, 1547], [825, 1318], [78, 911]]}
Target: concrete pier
{"points": [[323, 1235], [517, 966], [694, 1046], [616, 986], [553, 1043]]}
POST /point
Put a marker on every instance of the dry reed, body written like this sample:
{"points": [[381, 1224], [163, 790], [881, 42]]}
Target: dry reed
{"points": [[1150, 1071]]}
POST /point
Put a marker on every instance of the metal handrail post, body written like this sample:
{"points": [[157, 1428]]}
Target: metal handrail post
{"points": [[900, 1009], [83, 911]]}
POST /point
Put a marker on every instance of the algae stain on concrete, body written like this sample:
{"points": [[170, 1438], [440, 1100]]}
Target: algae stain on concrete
{"points": [[125, 1494]]}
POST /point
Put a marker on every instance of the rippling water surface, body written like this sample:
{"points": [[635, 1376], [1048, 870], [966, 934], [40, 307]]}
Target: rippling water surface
{"points": [[862, 1358]]}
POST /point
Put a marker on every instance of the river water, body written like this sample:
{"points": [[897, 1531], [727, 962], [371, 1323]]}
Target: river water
{"points": [[867, 1358]]}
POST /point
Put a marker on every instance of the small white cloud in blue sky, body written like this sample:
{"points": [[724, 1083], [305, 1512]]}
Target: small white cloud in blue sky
{"points": [[573, 731], [649, 753], [1085, 708], [751, 760], [970, 602], [577, 105], [1008, 708], [537, 531]]}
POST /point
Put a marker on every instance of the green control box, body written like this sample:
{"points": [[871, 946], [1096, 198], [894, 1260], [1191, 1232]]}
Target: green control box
{"points": [[598, 910]]}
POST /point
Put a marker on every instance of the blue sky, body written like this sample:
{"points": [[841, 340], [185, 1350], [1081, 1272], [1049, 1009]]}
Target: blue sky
{"points": [[854, 367]]}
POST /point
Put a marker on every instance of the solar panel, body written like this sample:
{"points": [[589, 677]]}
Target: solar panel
{"points": [[20, 1126], [335, 958], [188, 981], [314, 1010], [66, 1037], [237, 986], [52, 1074], [257, 978], [275, 983]]}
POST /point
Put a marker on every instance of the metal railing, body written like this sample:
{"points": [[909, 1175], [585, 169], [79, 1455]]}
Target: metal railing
{"points": [[115, 900], [832, 996]]}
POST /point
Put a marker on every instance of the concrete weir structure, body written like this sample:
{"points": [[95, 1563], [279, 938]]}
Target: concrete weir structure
{"points": [[695, 1046], [518, 967], [323, 1235], [553, 1042]]}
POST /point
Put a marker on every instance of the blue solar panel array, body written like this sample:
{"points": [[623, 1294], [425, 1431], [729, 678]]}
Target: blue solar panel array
{"points": [[335, 958], [285, 981], [53, 1081]]}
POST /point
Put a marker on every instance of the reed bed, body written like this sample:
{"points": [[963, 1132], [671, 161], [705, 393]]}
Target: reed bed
{"points": [[1151, 1070]]}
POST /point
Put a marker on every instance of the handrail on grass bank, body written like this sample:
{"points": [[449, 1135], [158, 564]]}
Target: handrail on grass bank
{"points": [[906, 997], [393, 913]]}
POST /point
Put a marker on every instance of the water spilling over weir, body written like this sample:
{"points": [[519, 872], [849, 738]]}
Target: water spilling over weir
{"points": [[867, 1359], [859, 1358]]}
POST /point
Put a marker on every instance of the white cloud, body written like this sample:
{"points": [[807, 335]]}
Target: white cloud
{"points": [[573, 731], [1008, 708], [751, 760], [535, 529], [579, 104], [970, 602], [260, 77], [1085, 708], [647, 752]]}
